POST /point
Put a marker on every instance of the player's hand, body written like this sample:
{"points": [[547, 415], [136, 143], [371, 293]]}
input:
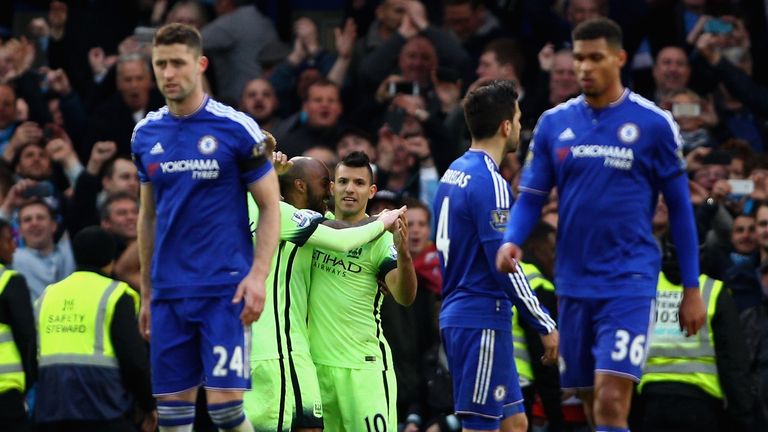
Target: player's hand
{"points": [[389, 217], [551, 344], [253, 290], [144, 320], [270, 143], [507, 257], [401, 235], [281, 163], [692, 313], [149, 424], [720, 190]]}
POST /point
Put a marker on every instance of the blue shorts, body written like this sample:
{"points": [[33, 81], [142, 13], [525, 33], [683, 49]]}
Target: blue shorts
{"points": [[485, 383], [198, 341], [603, 335]]}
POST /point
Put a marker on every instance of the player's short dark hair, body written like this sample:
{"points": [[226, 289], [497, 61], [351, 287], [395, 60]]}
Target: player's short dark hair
{"points": [[599, 28], [177, 33], [357, 159], [489, 105]]}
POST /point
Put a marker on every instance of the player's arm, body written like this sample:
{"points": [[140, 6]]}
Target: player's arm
{"points": [[401, 281], [525, 213], [146, 241], [254, 155], [488, 215], [265, 192], [516, 286], [341, 238], [674, 185], [537, 180]]}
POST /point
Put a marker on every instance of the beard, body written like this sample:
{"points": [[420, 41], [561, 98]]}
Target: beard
{"points": [[512, 143]]}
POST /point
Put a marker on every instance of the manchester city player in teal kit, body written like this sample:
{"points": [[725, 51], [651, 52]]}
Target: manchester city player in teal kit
{"points": [[471, 206], [609, 152], [196, 159]]}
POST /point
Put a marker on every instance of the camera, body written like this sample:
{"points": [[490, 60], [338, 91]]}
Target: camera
{"points": [[144, 35], [404, 87], [41, 190], [718, 26], [686, 110], [740, 188], [52, 131]]}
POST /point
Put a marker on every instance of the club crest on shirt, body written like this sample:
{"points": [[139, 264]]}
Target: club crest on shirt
{"points": [[207, 144], [499, 219], [355, 253], [304, 217], [259, 149], [628, 133], [500, 393]]}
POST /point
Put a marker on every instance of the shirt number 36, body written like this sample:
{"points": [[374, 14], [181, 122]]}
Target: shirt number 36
{"points": [[622, 347]]}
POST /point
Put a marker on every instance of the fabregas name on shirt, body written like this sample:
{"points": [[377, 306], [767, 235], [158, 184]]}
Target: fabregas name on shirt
{"points": [[201, 168], [455, 177]]}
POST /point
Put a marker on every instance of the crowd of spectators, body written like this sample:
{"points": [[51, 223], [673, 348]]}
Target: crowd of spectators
{"points": [[386, 79]]}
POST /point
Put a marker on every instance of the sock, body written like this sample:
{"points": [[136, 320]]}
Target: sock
{"points": [[175, 416], [229, 417], [611, 429]]}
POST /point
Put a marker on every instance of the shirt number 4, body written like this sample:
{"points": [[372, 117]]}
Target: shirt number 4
{"points": [[636, 349], [442, 242], [235, 362]]}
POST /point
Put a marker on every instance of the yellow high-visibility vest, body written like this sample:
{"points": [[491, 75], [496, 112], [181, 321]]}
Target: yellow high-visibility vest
{"points": [[522, 360], [672, 356], [11, 370], [74, 317]]}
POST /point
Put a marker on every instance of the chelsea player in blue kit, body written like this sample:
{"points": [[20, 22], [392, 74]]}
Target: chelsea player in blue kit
{"points": [[609, 152], [201, 279], [472, 203]]}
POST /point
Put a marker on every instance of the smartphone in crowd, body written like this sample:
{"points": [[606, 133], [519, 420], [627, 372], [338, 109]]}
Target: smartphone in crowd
{"points": [[718, 26], [404, 87], [740, 188], [686, 110], [41, 190], [144, 35]]}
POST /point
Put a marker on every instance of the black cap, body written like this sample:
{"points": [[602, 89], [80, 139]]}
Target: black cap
{"points": [[93, 247]]}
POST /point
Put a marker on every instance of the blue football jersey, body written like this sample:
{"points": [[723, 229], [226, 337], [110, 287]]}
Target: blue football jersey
{"points": [[200, 166], [608, 165], [471, 209]]}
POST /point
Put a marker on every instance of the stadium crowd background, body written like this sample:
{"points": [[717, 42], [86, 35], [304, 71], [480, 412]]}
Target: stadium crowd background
{"points": [[385, 77]]}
